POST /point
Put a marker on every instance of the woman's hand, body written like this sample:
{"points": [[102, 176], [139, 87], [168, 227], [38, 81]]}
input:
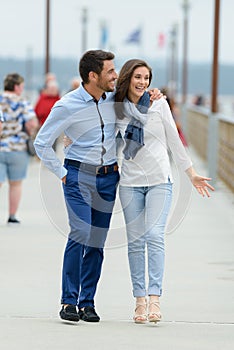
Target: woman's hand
{"points": [[200, 182], [201, 185], [66, 141], [155, 94]]}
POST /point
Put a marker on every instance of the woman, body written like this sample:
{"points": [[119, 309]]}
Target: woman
{"points": [[145, 190], [17, 115]]}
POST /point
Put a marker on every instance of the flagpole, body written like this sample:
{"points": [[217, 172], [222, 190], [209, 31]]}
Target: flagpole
{"points": [[173, 63], [185, 7], [47, 58]]}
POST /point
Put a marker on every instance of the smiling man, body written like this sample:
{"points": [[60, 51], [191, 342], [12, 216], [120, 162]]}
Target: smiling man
{"points": [[89, 175]]}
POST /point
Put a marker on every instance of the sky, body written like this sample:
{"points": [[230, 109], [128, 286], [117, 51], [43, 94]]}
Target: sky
{"points": [[22, 27]]}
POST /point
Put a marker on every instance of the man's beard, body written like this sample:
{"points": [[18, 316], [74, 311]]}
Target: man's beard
{"points": [[104, 87]]}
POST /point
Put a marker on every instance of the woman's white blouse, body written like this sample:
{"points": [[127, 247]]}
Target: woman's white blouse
{"points": [[151, 165]]}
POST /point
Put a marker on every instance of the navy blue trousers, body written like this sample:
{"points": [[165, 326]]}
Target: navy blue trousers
{"points": [[89, 200]]}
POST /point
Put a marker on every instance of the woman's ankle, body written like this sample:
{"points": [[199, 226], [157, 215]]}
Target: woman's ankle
{"points": [[153, 298], [140, 300]]}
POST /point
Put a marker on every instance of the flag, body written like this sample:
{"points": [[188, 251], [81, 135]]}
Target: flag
{"points": [[104, 36], [161, 40], [134, 37]]}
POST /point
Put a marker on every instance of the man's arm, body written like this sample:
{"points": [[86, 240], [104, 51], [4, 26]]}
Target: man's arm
{"points": [[55, 124]]}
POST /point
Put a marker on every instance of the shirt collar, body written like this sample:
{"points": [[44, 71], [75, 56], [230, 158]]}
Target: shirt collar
{"points": [[86, 96]]}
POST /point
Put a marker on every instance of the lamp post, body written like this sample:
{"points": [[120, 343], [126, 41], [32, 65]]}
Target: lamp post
{"points": [[84, 29], [173, 83], [185, 7], [215, 68], [29, 70], [213, 127], [47, 57]]}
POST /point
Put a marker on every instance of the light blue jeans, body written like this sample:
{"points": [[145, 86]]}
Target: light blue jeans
{"points": [[145, 211]]}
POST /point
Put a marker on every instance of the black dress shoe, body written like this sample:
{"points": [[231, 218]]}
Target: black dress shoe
{"points": [[89, 314], [69, 313]]}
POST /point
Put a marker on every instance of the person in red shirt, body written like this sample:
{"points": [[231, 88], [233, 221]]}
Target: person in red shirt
{"points": [[46, 100]]}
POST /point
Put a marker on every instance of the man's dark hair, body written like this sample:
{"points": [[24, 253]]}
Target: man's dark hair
{"points": [[93, 61], [11, 80]]}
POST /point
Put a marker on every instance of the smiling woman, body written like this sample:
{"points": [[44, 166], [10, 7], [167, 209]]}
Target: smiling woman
{"points": [[149, 131]]}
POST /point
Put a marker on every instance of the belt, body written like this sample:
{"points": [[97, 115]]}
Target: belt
{"points": [[93, 169]]}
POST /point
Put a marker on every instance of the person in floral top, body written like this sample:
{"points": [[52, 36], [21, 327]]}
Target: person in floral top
{"points": [[18, 120]]}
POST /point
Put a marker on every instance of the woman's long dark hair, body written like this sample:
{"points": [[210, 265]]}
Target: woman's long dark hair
{"points": [[123, 82]]}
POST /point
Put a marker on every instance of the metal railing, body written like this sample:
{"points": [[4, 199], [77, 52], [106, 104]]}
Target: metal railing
{"points": [[212, 136]]}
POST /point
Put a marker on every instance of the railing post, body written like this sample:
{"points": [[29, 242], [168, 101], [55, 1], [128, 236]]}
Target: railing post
{"points": [[184, 121], [212, 146]]}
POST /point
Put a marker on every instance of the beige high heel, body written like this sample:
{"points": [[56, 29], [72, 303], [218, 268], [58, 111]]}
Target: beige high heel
{"points": [[140, 317], [154, 315]]}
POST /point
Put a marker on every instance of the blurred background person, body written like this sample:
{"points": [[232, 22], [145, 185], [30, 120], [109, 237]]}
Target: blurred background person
{"points": [[199, 100], [46, 100], [49, 77], [19, 120], [74, 84], [175, 111]]}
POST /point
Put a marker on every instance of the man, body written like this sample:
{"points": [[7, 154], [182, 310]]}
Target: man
{"points": [[89, 175]]}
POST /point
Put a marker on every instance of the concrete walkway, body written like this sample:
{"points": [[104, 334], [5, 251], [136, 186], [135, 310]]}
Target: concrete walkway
{"points": [[198, 299]]}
